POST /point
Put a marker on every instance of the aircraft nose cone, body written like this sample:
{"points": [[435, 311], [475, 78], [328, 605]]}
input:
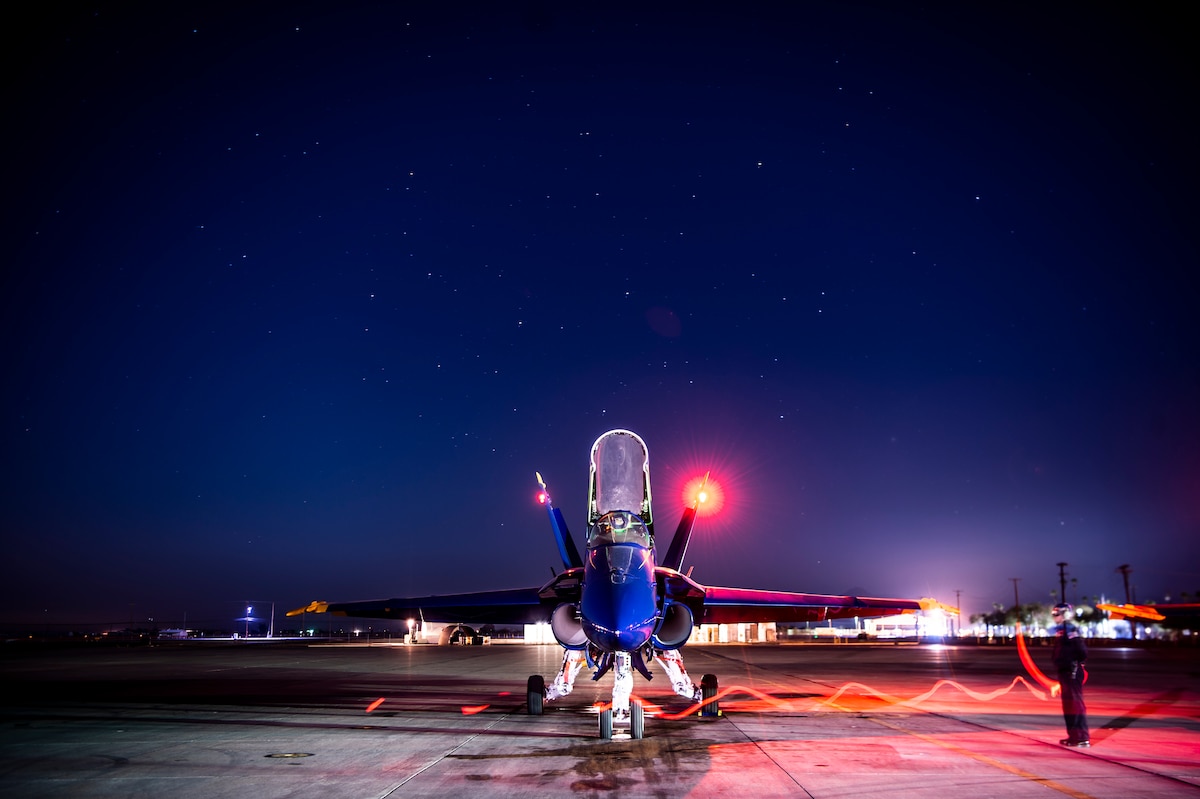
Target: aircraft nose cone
{"points": [[628, 640], [618, 604]]}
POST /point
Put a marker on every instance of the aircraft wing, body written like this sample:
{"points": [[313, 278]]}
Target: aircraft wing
{"points": [[733, 605], [531, 605], [514, 606]]}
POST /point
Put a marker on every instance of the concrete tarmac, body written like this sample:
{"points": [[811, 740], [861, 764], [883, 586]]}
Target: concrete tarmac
{"points": [[263, 720]]}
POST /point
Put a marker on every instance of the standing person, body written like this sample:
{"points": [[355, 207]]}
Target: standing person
{"points": [[1069, 655]]}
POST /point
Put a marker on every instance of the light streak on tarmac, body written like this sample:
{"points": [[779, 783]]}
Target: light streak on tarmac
{"points": [[853, 688]]}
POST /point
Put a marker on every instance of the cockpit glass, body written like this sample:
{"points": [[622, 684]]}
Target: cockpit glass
{"points": [[619, 527], [618, 462]]}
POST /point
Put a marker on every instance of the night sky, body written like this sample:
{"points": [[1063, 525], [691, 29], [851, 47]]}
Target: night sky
{"points": [[298, 296]]}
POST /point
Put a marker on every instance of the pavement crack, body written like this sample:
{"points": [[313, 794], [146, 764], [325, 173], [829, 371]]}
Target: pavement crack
{"points": [[758, 745], [449, 753]]}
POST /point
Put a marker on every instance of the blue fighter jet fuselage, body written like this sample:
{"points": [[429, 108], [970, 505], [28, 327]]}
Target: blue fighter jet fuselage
{"points": [[619, 605]]}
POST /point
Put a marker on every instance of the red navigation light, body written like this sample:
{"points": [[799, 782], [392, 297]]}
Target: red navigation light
{"points": [[542, 497], [705, 493]]}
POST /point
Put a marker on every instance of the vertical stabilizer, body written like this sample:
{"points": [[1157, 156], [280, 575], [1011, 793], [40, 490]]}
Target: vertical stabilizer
{"points": [[679, 542], [562, 536], [683, 533]]}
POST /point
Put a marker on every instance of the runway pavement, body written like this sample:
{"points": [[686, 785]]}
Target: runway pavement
{"points": [[291, 719]]}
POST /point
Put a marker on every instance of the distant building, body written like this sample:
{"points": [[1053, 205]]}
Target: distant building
{"points": [[905, 626], [744, 633]]}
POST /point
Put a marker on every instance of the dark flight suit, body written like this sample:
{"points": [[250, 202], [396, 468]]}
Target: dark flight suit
{"points": [[1069, 655]]}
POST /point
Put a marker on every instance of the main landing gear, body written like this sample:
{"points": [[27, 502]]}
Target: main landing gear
{"points": [[535, 694], [623, 711], [708, 695]]}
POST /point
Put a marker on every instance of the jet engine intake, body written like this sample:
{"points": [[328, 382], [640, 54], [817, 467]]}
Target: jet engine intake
{"points": [[674, 628], [567, 628]]}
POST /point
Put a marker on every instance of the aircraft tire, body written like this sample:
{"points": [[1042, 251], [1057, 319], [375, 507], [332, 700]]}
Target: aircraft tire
{"points": [[637, 721], [708, 690], [606, 722], [535, 694]]}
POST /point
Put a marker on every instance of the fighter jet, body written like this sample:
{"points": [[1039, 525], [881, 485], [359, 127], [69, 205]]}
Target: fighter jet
{"points": [[617, 607]]}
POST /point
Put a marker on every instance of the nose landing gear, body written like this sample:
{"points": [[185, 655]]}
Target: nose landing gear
{"points": [[635, 718], [624, 712]]}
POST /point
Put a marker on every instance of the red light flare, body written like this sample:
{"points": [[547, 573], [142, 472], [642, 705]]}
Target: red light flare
{"points": [[706, 493], [725, 514]]}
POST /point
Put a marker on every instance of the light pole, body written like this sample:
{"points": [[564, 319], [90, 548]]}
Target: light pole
{"points": [[1125, 569]]}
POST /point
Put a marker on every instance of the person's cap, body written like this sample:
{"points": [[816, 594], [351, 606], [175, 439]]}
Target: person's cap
{"points": [[1062, 609]]}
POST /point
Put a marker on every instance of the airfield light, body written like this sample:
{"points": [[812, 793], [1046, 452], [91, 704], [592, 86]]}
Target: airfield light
{"points": [[936, 624]]}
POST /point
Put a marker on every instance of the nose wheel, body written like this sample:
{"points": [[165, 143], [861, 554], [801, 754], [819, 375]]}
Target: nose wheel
{"points": [[635, 718], [637, 721]]}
